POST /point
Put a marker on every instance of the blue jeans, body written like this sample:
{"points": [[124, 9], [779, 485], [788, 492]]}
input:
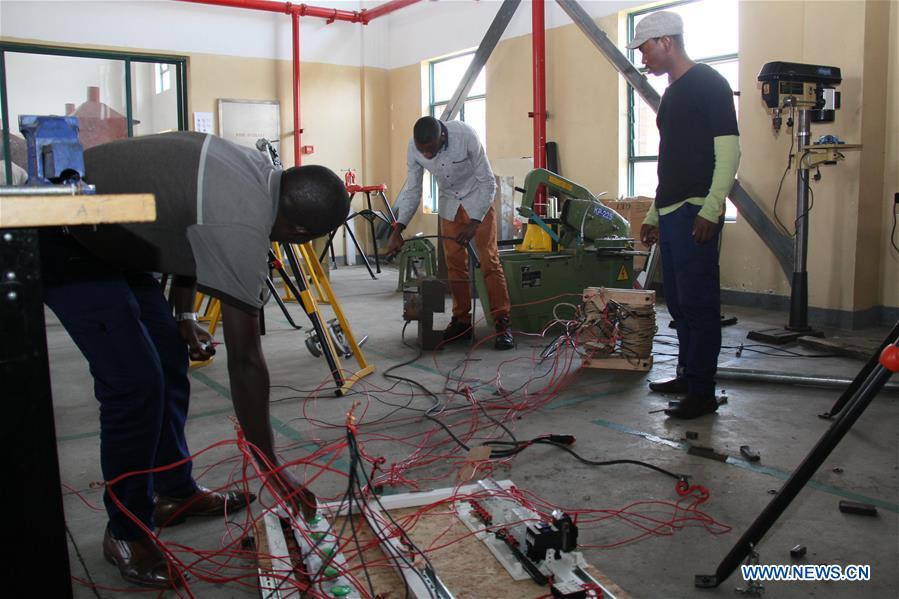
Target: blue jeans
{"points": [[124, 327], [693, 294]]}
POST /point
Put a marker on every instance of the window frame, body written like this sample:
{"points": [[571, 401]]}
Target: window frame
{"points": [[632, 157], [434, 104], [163, 83], [179, 62]]}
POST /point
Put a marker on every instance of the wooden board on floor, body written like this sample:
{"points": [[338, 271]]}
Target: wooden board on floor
{"points": [[462, 562], [613, 363]]}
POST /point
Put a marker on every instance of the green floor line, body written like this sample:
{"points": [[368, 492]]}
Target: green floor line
{"points": [[767, 470], [278, 425], [218, 388], [192, 416]]}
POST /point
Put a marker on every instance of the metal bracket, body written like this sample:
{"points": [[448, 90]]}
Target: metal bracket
{"points": [[491, 38]]}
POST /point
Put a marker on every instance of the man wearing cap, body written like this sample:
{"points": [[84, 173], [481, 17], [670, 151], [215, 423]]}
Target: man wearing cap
{"points": [[699, 152], [453, 153]]}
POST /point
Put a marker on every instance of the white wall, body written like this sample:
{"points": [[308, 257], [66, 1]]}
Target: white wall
{"points": [[430, 29], [174, 27], [412, 34]]}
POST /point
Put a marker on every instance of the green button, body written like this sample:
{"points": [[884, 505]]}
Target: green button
{"points": [[330, 572], [317, 536], [315, 520], [329, 551], [340, 590]]}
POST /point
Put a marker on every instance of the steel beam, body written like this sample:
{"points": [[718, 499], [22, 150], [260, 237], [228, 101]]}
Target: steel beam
{"points": [[777, 241], [491, 38]]}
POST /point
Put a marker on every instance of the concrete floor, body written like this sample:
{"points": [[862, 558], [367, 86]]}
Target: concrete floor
{"points": [[607, 412]]}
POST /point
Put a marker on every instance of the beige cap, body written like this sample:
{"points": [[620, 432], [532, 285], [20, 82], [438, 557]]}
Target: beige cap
{"points": [[658, 24]]}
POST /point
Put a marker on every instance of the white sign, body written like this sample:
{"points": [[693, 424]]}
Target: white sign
{"points": [[203, 122], [246, 121]]}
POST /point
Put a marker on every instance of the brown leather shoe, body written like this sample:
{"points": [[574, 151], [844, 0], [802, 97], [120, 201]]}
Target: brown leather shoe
{"points": [[140, 562], [171, 511]]}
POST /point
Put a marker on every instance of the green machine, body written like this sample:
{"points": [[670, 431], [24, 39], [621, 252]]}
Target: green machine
{"points": [[588, 245]]}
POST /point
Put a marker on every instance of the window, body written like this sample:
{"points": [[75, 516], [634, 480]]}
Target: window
{"points": [[711, 35], [163, 77], [111, 93], [444, 77]]}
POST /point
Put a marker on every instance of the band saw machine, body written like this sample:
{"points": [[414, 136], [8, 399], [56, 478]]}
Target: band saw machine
{"points": [[587, 245]]}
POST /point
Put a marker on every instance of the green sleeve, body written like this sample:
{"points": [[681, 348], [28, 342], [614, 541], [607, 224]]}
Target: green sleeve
{"points": [[727, 159], [652, 217]]}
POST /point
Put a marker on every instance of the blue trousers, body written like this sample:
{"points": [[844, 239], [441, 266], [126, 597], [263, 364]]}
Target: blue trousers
{"points": [[693, 294], [124, 327]]}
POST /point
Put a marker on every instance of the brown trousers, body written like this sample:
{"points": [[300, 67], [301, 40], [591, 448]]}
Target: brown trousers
{"points": [[457, 266]]}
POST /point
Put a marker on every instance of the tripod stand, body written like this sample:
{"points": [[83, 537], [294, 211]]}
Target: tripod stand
{"points": [[369, 215], [883, 365]]}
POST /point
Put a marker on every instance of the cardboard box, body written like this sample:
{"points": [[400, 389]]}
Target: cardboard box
{"points": [[634, 210]]}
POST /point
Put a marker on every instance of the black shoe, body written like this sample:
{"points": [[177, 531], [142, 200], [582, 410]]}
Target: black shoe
{"points": [[694, 406], [457, 331], [503, 339], [676, 386]]}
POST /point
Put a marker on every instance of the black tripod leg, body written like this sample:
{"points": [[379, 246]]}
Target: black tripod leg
{"points": [[333, 254], [271, 287], [860, 400], [298, 289], [861, 376], [362, 253], [374, 240], [329, 246]]}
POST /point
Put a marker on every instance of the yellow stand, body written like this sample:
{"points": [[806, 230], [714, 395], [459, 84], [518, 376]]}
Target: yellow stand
{"points": [[313, 271], [288, 296], [212, 316]]}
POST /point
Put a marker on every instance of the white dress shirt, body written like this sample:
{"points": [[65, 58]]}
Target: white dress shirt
{"points": [[463, 174]]}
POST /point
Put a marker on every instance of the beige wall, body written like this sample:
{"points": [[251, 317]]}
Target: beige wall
{"points": [[873, 135], [406, 106], [889, 271], [582, 102], [845, 223]]}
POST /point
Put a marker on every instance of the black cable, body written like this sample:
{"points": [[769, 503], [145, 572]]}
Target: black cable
{"points": [[348, 520], [811, 194], [425, 413], [549, 440], [386, 546], [784, 352], [784, 176], [893, 232], [90, 579]]}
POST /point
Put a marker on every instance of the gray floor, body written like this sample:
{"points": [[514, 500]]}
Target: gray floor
{"points": [[607, 412]]}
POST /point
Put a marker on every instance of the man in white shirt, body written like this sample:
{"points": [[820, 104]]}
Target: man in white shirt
{"points": [[453, 154]]}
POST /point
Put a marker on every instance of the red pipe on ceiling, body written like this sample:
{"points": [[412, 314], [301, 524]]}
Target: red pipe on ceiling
{"points": [[297, 129], [332, 14], [538, 45], [386, 8], [304, 10]]}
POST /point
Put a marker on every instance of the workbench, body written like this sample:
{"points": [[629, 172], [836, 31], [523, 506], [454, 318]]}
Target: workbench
{"points": [[36, 528]]}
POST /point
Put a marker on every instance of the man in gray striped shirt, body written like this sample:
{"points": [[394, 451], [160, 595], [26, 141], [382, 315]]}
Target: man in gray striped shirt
{"points": [[453, 154], [218, 208]]}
